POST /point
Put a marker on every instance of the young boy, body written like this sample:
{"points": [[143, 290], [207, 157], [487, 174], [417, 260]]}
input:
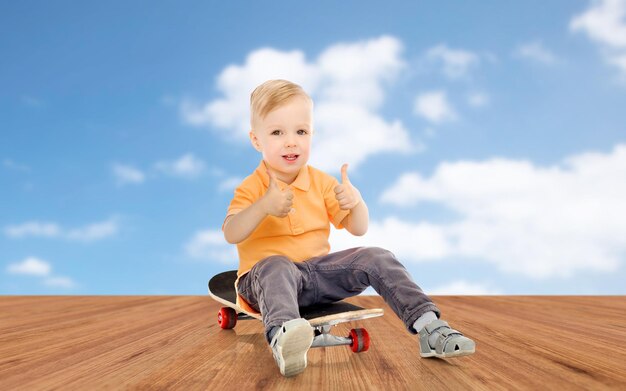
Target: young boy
{"points": [[280, 220]]}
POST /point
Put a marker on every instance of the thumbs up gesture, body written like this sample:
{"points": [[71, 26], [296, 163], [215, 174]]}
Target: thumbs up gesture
{"points": [[277, 202], [347, 195]]}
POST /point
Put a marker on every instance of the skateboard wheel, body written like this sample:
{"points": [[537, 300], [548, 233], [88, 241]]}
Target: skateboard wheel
{"points": [[227, 318], [360, 340]]}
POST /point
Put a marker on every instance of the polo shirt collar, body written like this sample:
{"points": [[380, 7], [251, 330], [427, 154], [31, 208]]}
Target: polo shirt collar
{"points": [[302, 181]]}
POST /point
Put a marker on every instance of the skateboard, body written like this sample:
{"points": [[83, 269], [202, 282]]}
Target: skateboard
{"points": [[322, 317]]}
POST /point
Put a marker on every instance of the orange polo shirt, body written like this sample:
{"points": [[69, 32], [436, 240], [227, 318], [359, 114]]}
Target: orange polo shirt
{"points": [[303, 234]]}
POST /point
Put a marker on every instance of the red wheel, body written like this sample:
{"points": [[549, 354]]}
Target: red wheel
{"points": [[360, 340], [227, 318]]}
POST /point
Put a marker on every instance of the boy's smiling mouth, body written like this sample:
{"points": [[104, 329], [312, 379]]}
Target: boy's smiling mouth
{"points": [[291, 157]]}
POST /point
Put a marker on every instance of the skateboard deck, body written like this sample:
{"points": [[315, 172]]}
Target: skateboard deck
{"points": [[321, 317]]}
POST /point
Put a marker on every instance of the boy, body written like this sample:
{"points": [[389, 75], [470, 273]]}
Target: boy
{"points": [[280, 220]]}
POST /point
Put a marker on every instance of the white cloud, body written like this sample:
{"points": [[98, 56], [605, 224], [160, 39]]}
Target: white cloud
{"points": [[478, 99], [363, 131], [30, 266], [229, 184], [417, 242], [401, 193], [618, 60], [210, 245], [94, 231], [456, 63], [434, 106], [537, 52], [605, 23], [347, 82], [127, 174], [60, 282], [187, 166], [12, 165], [237, 82], [88, 233], [33, 228], [536, 221], [33, 266], [462, 287], [355, 73]]}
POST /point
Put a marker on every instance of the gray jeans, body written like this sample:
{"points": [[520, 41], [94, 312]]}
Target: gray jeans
{"points": [[277, 287]]}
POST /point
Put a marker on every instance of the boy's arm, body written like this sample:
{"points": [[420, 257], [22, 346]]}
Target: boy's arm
{"points": [[239, 226], [349, 198], [275, 202], [357, 221]]}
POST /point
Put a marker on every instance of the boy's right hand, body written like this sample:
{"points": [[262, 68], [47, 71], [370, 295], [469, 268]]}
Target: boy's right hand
{"points": [[277, 202]]}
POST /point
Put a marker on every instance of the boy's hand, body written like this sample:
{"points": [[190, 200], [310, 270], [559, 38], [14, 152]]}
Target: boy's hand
{"points": [[347, 195], [277, 202]]}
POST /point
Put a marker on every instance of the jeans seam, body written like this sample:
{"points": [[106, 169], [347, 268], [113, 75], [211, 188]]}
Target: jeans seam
{"points": [[313, 275], [371, 274], [259, 291]]}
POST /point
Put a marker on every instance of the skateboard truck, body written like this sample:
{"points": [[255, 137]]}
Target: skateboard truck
{"points": [[358, 339]]}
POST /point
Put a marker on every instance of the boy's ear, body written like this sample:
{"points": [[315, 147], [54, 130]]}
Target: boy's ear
{"points": [[254, 140]]}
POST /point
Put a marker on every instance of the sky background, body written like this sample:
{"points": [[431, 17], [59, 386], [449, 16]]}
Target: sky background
{"points": [[487, 138]]}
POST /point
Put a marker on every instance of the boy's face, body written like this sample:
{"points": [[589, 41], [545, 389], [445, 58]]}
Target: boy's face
{"points": [[284, 137]]}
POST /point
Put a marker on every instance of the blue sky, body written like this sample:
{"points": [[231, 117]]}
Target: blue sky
{"points": [[488, 140]]}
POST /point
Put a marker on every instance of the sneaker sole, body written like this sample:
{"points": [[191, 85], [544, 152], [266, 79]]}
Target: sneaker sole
{"points": [[458, 353], [296, 343]]}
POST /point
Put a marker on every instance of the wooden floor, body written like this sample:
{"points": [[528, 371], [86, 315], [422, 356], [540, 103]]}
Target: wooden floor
{"points": [[174, 342]]}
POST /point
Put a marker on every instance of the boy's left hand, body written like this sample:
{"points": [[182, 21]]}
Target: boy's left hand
{"points": [[347, 195]]}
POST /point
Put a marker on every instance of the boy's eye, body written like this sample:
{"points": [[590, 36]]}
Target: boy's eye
{"points": [[275, 132], [302, 131]]}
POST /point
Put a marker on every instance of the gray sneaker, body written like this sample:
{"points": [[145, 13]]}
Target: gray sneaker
{"points": [[290, 346], [450, 342]]}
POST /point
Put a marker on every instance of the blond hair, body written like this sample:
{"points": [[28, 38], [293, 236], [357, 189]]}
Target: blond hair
{"points": [[271, 95]]}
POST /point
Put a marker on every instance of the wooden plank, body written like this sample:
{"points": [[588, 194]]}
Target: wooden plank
{"points": [[139, 342]]}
